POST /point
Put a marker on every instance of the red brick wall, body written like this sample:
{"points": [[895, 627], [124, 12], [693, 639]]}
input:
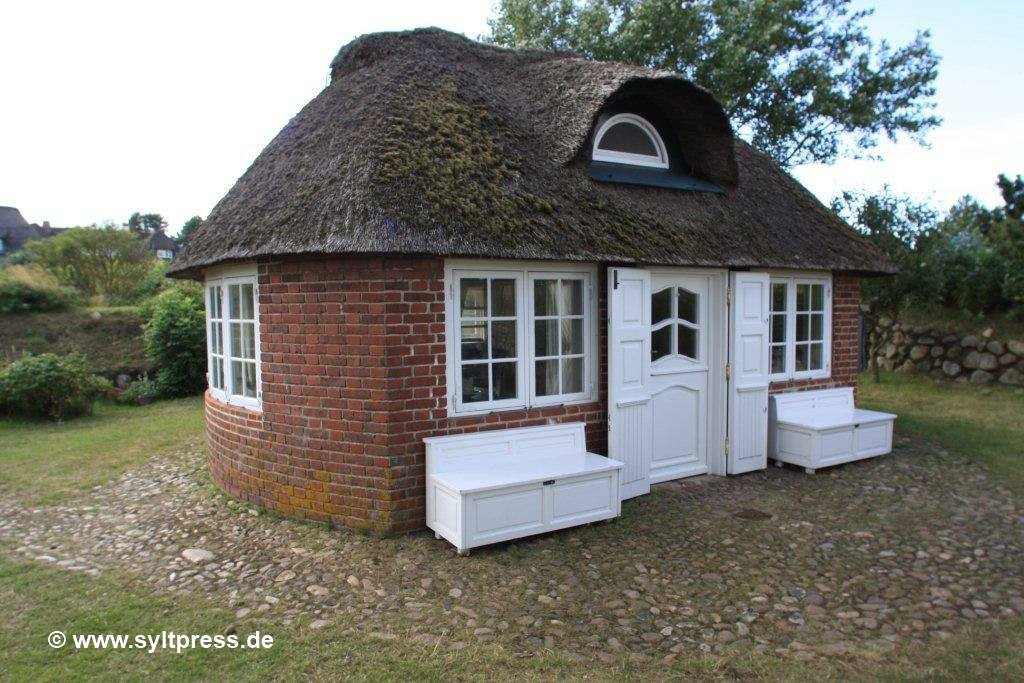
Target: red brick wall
{"points": [[353, 368], [845, 339]]}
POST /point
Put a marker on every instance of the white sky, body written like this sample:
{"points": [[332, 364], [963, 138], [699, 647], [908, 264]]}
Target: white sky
{"points": [[115, 107]]}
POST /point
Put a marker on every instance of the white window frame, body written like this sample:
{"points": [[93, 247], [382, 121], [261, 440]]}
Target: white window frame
{"points": [[524, 273], [224, 278], [792, 279], [659, 161], [165, 254]]}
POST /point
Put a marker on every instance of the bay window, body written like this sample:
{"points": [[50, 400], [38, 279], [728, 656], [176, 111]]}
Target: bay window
{"points": [[232, 337], [519, 337], [800, 327]]}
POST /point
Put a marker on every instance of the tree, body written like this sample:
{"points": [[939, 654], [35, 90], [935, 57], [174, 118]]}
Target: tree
{"points": [[898, 226], [188, 228], [107, 261], [800, 79], [146, 223]]}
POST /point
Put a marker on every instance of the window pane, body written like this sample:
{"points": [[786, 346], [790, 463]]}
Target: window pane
{"points": [[687, 306], [545, 334], [247, 295], [661, 342], [687, 341], [503, 297], [503, 339], [504, 380], [474, 341], [544, 301], [236, 377], [473, 295], [572, 335], [627, 137], [817, 326], [818, 297], [217, 373], [248, 340], [216, 343], [816, 356], [475, 383], [778, 359], [572, 297], [250, 379], [801, 327], [211, 302], [661, 306], [546, 372], [802, 297], [236, 340], [779, 328], [572, 375], [233, 301], [779, 302], [801, 358]]}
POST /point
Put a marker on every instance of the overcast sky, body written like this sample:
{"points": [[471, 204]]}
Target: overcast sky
{"points": [[113, 107]]}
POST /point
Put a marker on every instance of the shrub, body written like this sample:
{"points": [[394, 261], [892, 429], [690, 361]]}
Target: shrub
{"points": [[28, 289], [176, 342], [49, 386], [139, 393], [105, 261]]}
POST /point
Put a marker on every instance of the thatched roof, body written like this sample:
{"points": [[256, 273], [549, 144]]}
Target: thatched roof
{"points": [[428, 143]]}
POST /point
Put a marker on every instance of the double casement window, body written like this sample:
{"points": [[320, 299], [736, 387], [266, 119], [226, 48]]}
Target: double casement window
{"points": [[232, 338], [520, 337], [801, 325]]}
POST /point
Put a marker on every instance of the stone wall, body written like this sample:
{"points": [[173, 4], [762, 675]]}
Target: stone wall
{"points": [[975, 358]]}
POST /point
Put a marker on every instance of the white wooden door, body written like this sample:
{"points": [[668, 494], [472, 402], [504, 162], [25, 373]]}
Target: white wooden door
{"points": [[629, 398], [678, 383], [748, 386]]}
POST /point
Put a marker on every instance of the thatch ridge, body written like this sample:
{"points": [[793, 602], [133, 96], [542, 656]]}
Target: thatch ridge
{"points": [[428, 143]]}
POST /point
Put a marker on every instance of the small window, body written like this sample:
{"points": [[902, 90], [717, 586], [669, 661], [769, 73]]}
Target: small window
{"points": [[675, 324], [520, 338], [629, 139], [232, 339], [800, 332]]}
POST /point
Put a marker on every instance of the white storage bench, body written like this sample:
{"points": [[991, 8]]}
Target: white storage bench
{"points": [[820, 428], [498, 485]]}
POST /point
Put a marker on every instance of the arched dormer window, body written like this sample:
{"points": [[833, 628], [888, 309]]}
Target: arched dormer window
{"points": [[629, 139]]}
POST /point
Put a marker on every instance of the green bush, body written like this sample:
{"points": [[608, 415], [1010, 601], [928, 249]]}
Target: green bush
{"points": [[139, 393], [106, 262], [49, 386], [176, 342], [25, 289]]}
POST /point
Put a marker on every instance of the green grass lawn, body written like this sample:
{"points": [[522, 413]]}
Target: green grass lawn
{"points": [[45, 462], [986, 425]]}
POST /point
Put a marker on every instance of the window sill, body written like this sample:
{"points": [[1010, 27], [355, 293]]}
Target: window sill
{"points": [[251, 405], [453, 415]]}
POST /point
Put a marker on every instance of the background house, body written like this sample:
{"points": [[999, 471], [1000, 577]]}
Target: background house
{"points": [[16, 232]]}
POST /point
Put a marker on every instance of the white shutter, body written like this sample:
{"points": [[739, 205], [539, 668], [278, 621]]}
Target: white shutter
{"points": [[748, 386], [629, 358]]}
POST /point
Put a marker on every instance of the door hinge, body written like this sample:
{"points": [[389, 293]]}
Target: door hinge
{"points": [[728, 371], [451, 291], [728, 296], [615, 278], [727, 445]]}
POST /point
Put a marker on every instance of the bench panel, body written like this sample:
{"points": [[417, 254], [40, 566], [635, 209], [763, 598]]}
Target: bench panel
{"points": [[505, 514]]}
